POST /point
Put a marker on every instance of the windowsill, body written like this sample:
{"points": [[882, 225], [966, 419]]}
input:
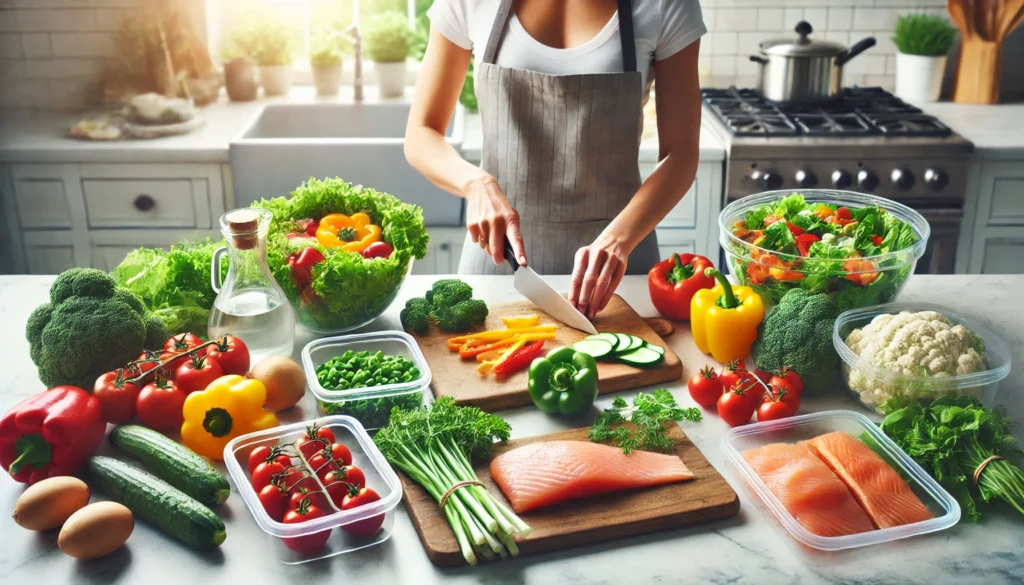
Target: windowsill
{"points": [[302, 73]]}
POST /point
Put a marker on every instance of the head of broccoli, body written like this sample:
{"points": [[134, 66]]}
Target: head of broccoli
{"points": [[449, 291], [90, 326], [449, 303], [797, 333], [461, 316], [416, 315]]}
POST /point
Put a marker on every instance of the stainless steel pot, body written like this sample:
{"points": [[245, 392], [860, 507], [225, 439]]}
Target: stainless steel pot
{"points": [[802, 69]]}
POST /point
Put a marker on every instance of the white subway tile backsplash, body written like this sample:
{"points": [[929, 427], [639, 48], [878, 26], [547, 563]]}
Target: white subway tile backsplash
{"points": [[36, 45], [873, 19], [82, 44], [8, 21], [818, 17], [723, 65], [840, 18], [745, 67], [724, 43], [55, 20], [884, 45], [790, 17], [890, 64], [738, 19], [110, 19], [710, 17], [62, 68], [837, 36], [770, 19], [747, 43], [10, 46]]}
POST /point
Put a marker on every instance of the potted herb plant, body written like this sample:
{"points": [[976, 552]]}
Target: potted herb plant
{"points": [[240, 70], [325, 57], [387, 41], [923, 42], [272, 50]]}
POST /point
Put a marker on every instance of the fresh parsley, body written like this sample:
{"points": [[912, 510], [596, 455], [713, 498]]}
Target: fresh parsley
{"points": [[648, 414]]}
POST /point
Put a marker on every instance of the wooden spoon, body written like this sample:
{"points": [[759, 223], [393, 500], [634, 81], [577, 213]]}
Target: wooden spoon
{"points": [[958, 14], [1011, 17]]}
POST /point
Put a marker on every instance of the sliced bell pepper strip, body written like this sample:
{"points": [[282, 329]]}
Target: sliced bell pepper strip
{"points": [[485, 367], [521, 321], [474, 347], [495, 334], [490, 356], [519, 359]]}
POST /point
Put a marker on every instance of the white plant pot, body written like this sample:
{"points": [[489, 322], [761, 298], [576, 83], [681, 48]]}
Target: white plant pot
{"points": [[327, 79], [918, 78], [390, 78], [275, 79]]}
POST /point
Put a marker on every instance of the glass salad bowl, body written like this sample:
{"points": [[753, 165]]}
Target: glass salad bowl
{"points": [[864, 264]]}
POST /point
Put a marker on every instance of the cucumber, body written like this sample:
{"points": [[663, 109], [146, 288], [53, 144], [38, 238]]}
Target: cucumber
{"points": [[157, 502], [624, 341], [596, 348], [654, 347], [642, 356], [173, 463], [609, 337], [634, 343]]}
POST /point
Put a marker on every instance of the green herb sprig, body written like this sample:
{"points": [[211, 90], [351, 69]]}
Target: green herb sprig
{"points": [[649, 414], [925, 35]]}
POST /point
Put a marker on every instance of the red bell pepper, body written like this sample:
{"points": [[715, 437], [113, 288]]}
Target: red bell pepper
{"points": [[519, 359], [673, 282], [877, 240], [794, 229], [378, 250], [50, 434], [302, 264], [803, 243]]}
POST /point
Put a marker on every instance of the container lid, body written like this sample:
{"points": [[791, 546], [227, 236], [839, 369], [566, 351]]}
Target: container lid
{"points": [[802, 45]]}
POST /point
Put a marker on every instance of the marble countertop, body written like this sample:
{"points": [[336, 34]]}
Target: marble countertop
{"points": [[997, 130], [748, 548]]}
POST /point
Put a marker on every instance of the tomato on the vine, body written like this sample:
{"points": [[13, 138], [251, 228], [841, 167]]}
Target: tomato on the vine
{"points": [[315, 497], [160, 404], [773, 410], [265, 473], [144, 364], [705, 387], [341, 453], [735, 407], [311, 543], [362, 497], [785, 396], [176, 345], [788, 380], [274, 499], [348, 474], [118, 397], [197, 373], [316, 439], [232, 355], [733, 373]]}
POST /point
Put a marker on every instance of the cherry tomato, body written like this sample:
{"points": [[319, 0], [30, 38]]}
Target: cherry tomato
{"points": [[705, 387], [788, 380], [298, 479], [146, 362], [315, 497], [316, 439], [349, 474], [366, 527], [309, 544], [735, 407], [773, 410], [320, 465], [264, 474], [275, 501], [159, 405], [779, 394], [196, 374], [341, 453], [733, 373], [232, 356], [117, 396], [180, 344], [844, 213]]}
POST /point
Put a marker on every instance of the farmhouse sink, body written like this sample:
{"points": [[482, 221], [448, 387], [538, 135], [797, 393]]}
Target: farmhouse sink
{"points": [[286, 144]]}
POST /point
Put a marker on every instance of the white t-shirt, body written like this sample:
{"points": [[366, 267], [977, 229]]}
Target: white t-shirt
{"points": [[661, 28]]}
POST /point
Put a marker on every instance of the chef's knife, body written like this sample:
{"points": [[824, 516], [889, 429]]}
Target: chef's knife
{"points": [[534, 288]]}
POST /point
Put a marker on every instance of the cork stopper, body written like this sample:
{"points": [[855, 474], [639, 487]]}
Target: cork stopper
{"points": [[242, 225]]}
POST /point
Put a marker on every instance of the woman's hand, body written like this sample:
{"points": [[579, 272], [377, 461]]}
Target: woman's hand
{"points": [[490, 218], [598, 272]]}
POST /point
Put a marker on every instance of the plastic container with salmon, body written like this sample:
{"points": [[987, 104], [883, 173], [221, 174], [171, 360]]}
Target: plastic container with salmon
{"points": [[371, 405], [365, 455], [940, 505]]}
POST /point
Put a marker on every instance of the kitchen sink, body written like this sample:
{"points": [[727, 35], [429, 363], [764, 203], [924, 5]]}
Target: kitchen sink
{"points": [[286, 144]]}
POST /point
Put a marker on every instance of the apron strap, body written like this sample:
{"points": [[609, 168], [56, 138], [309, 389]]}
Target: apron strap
{"points": [[626, 36]]}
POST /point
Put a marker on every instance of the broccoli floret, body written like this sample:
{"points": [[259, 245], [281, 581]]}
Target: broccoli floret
{"points": [[447, 292], [90, 326], [156, 332], [416, 315], [461, 316], [797, 333]]}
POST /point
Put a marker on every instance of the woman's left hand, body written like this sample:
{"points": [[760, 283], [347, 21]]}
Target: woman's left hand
{"points": [[598, 272]]}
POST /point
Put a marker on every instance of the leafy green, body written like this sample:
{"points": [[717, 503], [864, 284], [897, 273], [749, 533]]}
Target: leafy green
{"points": [[778, 237], [789, 206], [755, 217], [650, 413], [924, 34], [951, 438], [807, 221]]}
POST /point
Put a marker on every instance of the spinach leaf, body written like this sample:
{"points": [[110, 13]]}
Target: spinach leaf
{"points": [[778, 237], [755, 217]]}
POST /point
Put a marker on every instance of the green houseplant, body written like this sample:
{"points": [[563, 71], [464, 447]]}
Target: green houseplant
{"points": [[388, 41], [325, 57], [240, 69], [271, 45], [923, 42]]}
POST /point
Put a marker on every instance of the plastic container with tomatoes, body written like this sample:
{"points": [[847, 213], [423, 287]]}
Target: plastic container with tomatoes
{"points": [[341, 529]]}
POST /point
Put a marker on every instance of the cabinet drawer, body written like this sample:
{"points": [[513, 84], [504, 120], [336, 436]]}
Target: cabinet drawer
{"points": [[49, 259], [676, 241], [42, 203], [117, 203], [1007, 202]]}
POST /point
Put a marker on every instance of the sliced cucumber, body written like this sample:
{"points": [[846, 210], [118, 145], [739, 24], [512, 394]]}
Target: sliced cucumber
{"points": [[654, 347], [596, 348], [634, 343], [643, 356], [609, 337], [624, 342]]}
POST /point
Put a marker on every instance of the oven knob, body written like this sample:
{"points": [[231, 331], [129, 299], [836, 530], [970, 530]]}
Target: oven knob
{"points": [[769, 180], [902, 178], [805, 179], [867, 180], [841, 179], [937, 179]]}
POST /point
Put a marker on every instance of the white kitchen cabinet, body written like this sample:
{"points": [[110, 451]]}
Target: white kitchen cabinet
{"points": [[692, 225], [992, 241], [443, 251]]}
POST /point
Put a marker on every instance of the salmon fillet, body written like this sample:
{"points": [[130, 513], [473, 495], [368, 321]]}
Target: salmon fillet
{"points": [[808, 489], [543, 474], [876, 486]]}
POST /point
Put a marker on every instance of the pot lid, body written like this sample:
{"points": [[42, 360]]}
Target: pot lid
{"points": [[801, 46]]}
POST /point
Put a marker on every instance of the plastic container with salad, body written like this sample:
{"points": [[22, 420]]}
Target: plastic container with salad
{"points": [[859, 248]]}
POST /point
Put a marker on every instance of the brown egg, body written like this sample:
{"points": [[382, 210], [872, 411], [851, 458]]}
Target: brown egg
{"points": [[47, 504], [96, 530]]}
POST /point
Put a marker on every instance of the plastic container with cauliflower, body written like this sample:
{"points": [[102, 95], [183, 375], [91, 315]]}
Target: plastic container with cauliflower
{"points": [[918, 350]]}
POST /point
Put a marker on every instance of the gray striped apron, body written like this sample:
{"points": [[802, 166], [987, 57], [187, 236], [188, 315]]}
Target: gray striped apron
{"points": [[564, 150]]}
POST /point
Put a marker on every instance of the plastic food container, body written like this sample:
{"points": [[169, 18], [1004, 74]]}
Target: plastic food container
{"points": [[365, 455], [873, 385], [747, 261], [371, 405], [805, 427]]}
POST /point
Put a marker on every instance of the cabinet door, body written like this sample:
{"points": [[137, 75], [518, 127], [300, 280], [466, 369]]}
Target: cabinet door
{"points": [[428, 264], [678, 241], [1002, 251], [49, 259]]}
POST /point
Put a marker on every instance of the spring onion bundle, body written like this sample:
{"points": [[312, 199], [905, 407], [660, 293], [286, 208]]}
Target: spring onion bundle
{"points": [[433, 445]]}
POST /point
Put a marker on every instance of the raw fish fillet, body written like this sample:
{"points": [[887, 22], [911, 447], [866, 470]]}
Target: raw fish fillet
{"points": [[543, 474], [876, 486], [808, 489]]}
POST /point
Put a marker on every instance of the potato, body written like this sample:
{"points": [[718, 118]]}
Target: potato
{"points": [[96, 530], [48, 503], [284, 379]]}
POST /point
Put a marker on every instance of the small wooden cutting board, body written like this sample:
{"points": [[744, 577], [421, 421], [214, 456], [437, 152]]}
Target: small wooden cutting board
{"points": [[705, 498], [455, 377]]}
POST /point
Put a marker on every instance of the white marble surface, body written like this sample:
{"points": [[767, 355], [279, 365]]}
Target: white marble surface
{"points": [[745, 549], [997, 131]]}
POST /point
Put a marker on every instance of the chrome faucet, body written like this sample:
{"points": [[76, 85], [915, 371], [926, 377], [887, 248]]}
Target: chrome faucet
{"points": [[356, 38]]}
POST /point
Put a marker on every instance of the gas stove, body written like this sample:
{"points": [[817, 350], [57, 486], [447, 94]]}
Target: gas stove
{"points": [[865, 140]]}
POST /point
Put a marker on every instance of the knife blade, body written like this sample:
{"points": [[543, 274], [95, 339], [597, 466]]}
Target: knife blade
{"points": [[540, 293]]}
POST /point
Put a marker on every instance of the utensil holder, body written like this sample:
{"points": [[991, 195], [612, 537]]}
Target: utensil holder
{"points": [[977, 78]]}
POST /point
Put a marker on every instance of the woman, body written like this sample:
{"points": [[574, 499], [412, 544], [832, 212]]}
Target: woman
{"points": [[561, 85]]}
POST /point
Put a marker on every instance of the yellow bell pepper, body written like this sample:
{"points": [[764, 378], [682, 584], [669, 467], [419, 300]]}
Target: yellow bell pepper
{"points": [[230, 406], [352, 234], [521, 321], [724, 319]]}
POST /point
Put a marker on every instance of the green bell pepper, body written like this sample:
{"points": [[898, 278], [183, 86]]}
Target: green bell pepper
{"points": [[563, 382]]}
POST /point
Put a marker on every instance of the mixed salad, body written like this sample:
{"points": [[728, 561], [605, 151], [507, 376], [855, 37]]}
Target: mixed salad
{"points": [[823, 247]]}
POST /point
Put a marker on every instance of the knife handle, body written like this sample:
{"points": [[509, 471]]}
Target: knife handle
{"points": [[510, 255]]}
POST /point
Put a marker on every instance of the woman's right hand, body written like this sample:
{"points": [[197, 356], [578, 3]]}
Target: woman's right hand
{"points": [[490, 218]]}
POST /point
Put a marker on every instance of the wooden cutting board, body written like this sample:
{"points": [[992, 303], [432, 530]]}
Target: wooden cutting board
{"points": [[455, 377], [617, 515]]}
